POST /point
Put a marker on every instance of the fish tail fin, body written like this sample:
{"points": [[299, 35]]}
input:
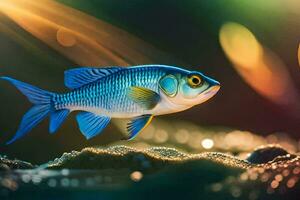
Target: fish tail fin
{"points": [[42, 107]]}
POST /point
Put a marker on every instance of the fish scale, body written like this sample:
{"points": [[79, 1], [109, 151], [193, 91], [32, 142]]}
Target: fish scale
{"points": [[109, 93]]}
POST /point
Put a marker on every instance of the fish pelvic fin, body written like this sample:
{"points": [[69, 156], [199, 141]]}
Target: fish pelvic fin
{"points": [[91, 124], [42, 106]]}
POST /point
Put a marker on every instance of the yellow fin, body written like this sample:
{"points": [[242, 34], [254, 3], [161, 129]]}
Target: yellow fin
{"points": [[146, 98], [137, 125]]}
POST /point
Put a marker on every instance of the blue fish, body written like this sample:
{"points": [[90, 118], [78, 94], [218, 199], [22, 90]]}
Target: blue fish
{"points": [[137, 93]]}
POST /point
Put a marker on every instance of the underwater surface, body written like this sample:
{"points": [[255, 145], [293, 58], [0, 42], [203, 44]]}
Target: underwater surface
{"points": [[243, 143], [117, 172]]}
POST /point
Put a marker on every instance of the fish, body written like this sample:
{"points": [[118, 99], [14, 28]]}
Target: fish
{"points": [[137, 93]]}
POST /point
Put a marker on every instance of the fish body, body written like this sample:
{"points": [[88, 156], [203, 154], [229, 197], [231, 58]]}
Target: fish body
{"points": [[138, 92], [108, 96]]}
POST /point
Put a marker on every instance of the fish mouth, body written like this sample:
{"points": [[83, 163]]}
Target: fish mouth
{"points": [[212, 90], [207, 94], [214, 87]]}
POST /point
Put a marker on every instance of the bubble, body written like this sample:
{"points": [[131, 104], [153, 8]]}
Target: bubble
{"points": [[65, 172], [26, 178], [74, 182], [278, 177], [216, 187], [253, 176], [291, 183], [136, 176], [65, 182], [52, 182], [274, 184], [285, 172], [161, 136], [236, 192], [264, 177], [65, 37], [244, 176], [182, 136], [36, 179], [296, 170], [207, 143]]}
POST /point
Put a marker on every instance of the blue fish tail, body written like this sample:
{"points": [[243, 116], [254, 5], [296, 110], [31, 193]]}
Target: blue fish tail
{"points": [[42, 107]]}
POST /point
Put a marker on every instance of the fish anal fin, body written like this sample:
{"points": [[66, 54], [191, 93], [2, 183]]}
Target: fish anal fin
{"points": [[57, 118], [138, 124]]}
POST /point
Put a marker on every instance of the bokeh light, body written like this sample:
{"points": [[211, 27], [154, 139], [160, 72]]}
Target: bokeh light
{"points": [[194, 138], [240, 45], [136, 176], [66, 38], [258, 66], [207, 143], [299, 54]]}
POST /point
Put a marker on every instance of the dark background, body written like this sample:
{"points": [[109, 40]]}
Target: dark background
{"points": [[186, 30]]}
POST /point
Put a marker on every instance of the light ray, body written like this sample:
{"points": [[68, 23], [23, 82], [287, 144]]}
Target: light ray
{"points": [[78, 36]]}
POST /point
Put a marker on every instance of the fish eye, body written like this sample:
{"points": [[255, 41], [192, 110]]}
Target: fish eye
{"points": [[194, 80]]}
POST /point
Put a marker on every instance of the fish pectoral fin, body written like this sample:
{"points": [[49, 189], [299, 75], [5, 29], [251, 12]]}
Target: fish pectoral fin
{"points": [[90, 124], [75, 78], [57, 118], [137, 124], [146, 98]]}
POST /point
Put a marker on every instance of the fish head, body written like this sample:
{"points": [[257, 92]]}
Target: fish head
{"points": [[188, 88]]}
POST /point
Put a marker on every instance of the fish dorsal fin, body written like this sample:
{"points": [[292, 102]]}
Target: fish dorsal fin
{"points": [[144, 97], [75, 78], [90, 124], [137, 125]]}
